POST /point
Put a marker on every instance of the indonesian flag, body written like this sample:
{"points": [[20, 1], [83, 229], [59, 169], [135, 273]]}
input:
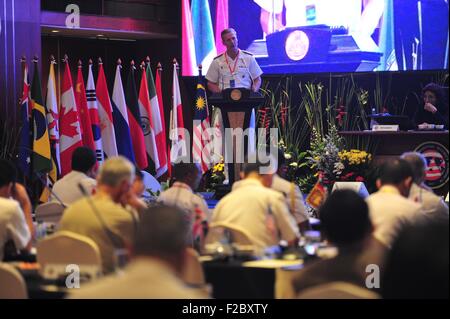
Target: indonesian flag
{"points": [[85, 120], [68, 122], [161, 141], [93, 115], [105, 115], [179, 146], [147, 119]]}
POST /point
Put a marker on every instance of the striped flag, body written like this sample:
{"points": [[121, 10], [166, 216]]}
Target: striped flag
{"points": [[51, 104], [105, 114], [179, 146], [201, 152], [120, 118], [85, 120], [41, 158], [24, 147], [205, 49], [189, 62], [69, 123], [93, 115], [134, 117], [158, 121], [147, 119], [221, 23], [165, 153]]}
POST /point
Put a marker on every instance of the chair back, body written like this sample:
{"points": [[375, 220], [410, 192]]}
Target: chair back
{"points": [[337, 290], [64, 248], [193, 270], [50, 212], [12, 283], [150, 183], [235, 233]]}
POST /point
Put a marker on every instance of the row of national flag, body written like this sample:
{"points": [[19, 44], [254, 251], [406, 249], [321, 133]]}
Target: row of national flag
{"points": [[130, 123]]}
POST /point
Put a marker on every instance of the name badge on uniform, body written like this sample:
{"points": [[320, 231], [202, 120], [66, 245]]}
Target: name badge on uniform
{"points": [[232, 83]]}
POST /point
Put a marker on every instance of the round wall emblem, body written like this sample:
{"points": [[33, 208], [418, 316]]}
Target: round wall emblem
{"points": [[297, 45], [236, 95], [437, 163]]}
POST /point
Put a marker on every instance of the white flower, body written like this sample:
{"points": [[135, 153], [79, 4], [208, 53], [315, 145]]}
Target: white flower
{"points": [[287, 156], [293, 164]]}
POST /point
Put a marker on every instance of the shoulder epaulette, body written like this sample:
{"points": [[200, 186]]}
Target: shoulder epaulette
{"points": [[218, 56], [246, 52]]}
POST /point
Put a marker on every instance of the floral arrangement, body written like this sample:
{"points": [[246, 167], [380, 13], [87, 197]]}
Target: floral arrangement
{"points": [[214, 176], [353, 165]]}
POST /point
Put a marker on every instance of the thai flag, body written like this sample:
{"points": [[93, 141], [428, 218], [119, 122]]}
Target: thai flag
{"points": [[93, 115], [120, 118]]}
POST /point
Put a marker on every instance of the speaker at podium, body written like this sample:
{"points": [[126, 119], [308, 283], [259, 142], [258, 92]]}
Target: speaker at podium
{"points": [[236, 105]]}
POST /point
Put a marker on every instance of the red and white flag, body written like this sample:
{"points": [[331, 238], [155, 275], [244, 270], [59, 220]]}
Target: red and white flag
{"points": [[105, 114], [70, 134], [161, 140], [179, 146]]}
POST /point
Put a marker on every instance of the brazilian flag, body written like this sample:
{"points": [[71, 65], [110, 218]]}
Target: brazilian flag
{"points": [[41, 158]]}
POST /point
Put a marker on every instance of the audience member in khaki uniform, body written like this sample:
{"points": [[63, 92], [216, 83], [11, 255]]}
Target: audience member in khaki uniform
{"points": [[345, 223], [181, 194], [109, 225], [390, 209], [261, 211], [159, 259], [433, 206]]}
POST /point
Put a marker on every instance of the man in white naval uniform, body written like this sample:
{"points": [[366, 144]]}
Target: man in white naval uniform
{"points": [[234, 68]]}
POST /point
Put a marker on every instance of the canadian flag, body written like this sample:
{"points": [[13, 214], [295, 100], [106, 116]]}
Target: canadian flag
{"points": [[70, 133]]}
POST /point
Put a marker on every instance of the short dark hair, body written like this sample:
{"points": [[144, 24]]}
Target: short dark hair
{"points": [[83, 159], [162, 231], [253, 164], [395, 171], [436, 89], [226, 31], [181, 171], [345, 218], [8, 172], [417, 265], [418, 165]]}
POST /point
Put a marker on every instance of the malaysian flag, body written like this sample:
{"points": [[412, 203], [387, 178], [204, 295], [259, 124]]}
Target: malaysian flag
{"points": [[201, 152]]}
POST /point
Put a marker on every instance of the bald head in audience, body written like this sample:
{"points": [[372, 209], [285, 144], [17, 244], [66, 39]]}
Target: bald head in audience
{"points": [[116, 177]]}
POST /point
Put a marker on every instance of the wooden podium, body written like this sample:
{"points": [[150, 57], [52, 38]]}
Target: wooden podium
{"points": [[236, 105]]}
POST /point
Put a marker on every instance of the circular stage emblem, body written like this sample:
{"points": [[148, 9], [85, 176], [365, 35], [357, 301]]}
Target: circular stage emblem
{"points": [[297, 45], [236, 95], [145, 123], [437, 163]]}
